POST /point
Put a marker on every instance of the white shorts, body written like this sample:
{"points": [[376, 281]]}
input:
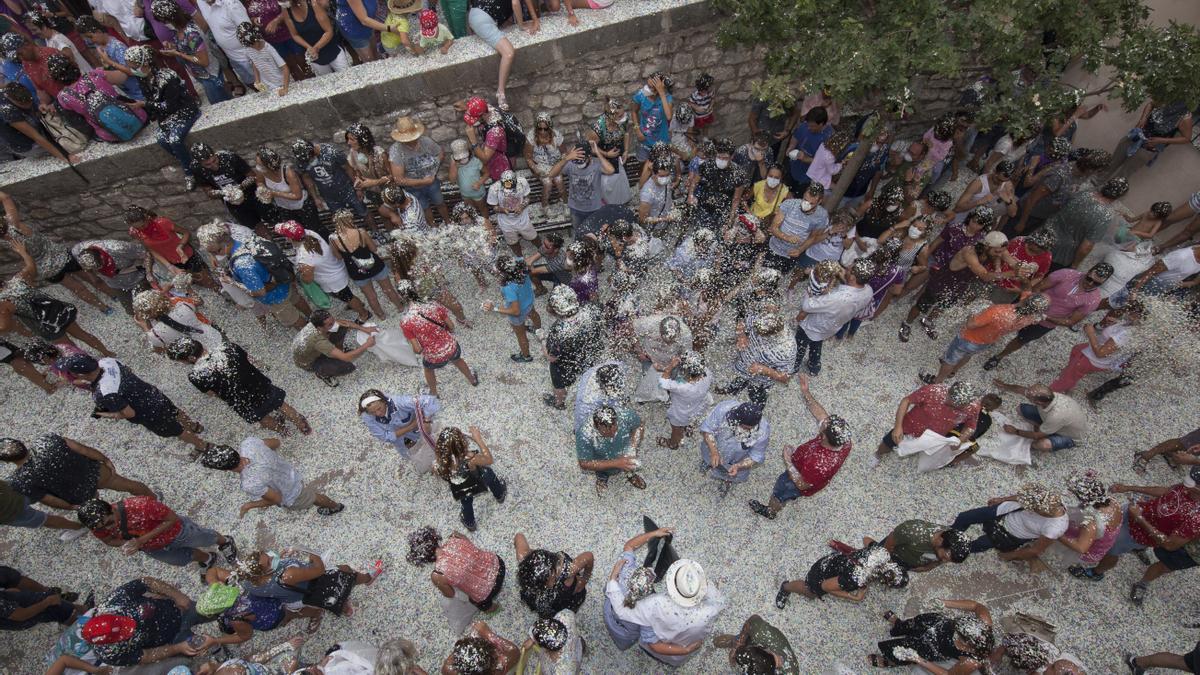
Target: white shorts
{"points": [[342, 62], [512, 237]]}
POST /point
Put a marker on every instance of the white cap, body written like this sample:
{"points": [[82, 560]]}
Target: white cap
{"points": [[459, 149], [995, 239]]}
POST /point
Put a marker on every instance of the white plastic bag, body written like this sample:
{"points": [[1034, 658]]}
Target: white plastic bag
{"points": [[1003, 446], [458, 610], [648, 388], [935, 449], [390, 346]]}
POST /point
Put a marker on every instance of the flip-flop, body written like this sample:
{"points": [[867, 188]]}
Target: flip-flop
{"points": [[304, 426], [664, 442], [314, 622]]}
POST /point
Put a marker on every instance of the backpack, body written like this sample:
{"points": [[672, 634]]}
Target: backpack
{"points": [[268, 254], [514, 135], [110, 113]]}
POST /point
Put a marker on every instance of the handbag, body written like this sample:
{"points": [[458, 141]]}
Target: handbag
{"points": [[66, 135], [51, 316], [1001, 538]]}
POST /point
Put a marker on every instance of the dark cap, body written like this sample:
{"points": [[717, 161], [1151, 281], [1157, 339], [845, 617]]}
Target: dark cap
{"points": [[78, 364], [746, 414]]}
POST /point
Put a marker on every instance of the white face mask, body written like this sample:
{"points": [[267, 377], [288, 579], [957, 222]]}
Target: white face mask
{"points": [[623, 119], [662, 180], [807, 206], [722, 163], [874, 147], [891, 208], [914, 232], [647, 90], [908, 156], [772, 182]]}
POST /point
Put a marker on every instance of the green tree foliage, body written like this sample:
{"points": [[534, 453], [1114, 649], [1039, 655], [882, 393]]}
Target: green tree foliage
{"points": [[874, 53]]}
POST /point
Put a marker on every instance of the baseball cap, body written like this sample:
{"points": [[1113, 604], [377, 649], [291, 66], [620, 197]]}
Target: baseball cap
{"points": [[105, 629]]}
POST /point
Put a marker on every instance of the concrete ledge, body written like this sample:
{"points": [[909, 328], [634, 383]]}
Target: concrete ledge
{"points": [[315, 106]]}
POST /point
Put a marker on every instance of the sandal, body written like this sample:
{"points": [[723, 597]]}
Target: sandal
{"points": [[474, 379], [304, 426], [314, 622], [601, 486], [927, 378], [930, 329], [889, 616], [761, 509], [991, 363], [551, 401], [1081, 572], [1140, 463], [636, 481], [664, 442], [781, 597], [905, 332], [1137, 593], [877, 661], [331, 510], [330, 382]]}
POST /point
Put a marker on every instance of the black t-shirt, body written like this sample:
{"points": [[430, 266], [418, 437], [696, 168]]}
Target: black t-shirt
{"points": [[230, 375], [8, 605], [158, 622], [231, 170], [716, 186], [53, 468], [576, 341], [12, 140], [500, 10], [118, 387]]}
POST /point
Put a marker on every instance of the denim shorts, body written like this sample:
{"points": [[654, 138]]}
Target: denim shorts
{"points": [[191, 536], [382, 276], [520, 319], [960, 349], [1057, 441], [1124, 543], [428, 195], [785, 489], [29, 517], [484, 26]]}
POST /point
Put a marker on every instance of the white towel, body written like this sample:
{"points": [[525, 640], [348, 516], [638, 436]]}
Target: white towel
{"points": [[390, 346]]}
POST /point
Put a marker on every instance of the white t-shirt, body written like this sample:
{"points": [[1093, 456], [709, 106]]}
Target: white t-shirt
{"points": [[1063, 416], [61, 42], [1029, 525], [223, 17], [1126, 265], [1180, 264], [1120, 334], [688, 399], [328, 271], [518, 197], [268, 470], [269, 65], [122, 10]]}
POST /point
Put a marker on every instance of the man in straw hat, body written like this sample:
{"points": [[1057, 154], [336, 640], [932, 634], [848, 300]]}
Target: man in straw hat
{"points": [[415, 160]]}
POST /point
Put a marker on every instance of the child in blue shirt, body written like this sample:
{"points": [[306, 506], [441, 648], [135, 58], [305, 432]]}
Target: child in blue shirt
{"points": [[517, 290]]}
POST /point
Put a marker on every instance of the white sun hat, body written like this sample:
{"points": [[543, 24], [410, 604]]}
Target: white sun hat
{"points": [[686, 583]]}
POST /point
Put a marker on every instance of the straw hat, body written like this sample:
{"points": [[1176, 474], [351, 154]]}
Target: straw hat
{"points": [[686, 583], [404, 6], [407, 129]]}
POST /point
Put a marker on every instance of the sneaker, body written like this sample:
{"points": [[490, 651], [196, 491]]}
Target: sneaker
{"points": [[330, 382], [375, 569], [761, 509], [991, 363], [905, 332], [229, 549], [1131, 663], [551, 401], [207, 563], [781, 597], [636, 481], [503, 493], [520, 358], [929, 328], [723, 488], [72, 535]]}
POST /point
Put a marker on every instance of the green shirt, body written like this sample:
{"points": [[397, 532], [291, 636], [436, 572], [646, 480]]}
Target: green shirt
{"points": [[590, 445], [12, 503], [911, 542], [770, 638]]}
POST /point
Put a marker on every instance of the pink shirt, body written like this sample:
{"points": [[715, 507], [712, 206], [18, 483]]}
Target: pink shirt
{"points": [[496, 140], [824, 167], [938, 150], [468, 568], [1067, 297]]}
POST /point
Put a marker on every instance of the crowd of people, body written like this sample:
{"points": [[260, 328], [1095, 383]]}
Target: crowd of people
{"points": [[699, 276]]}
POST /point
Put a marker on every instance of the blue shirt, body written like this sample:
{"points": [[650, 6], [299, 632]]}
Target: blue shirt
{"points": [[807, 141], [624, 633], [249, 273], [652, 118], [115, 50], [14, 73], [401, 409], [729, 445], [522, 293]]}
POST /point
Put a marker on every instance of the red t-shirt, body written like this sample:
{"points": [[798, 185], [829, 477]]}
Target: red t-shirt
{"points": [[1016, 248], [161, 237], [39, 74], [930, 411], [143, 514], [437, 343], [1175, 514], [817, 464]]}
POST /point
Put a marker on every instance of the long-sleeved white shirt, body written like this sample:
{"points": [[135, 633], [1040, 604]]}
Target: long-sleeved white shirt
{"points": [[829, 312]]}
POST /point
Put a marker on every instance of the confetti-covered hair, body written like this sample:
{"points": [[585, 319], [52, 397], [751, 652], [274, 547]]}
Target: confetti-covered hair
{"points": [[535, 569], [248, 34], [1115, 188], [62, 69], [1034, 305], [449, 450], [423, 545], [269, 158], [140, 56], [983, 214], [473, 656], [220, 458], [938, 199], [93, 513], [1087, 487], [563, 301], [641, 585], [12, 450], [302, 150], [361, 134], [961, 394], [184, 349], [837, 431], [1059, 148], [1034, 496], [549, 634]]}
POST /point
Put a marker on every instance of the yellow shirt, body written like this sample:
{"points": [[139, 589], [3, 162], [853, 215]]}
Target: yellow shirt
{"points": [[391, 40], [762, 207]]}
